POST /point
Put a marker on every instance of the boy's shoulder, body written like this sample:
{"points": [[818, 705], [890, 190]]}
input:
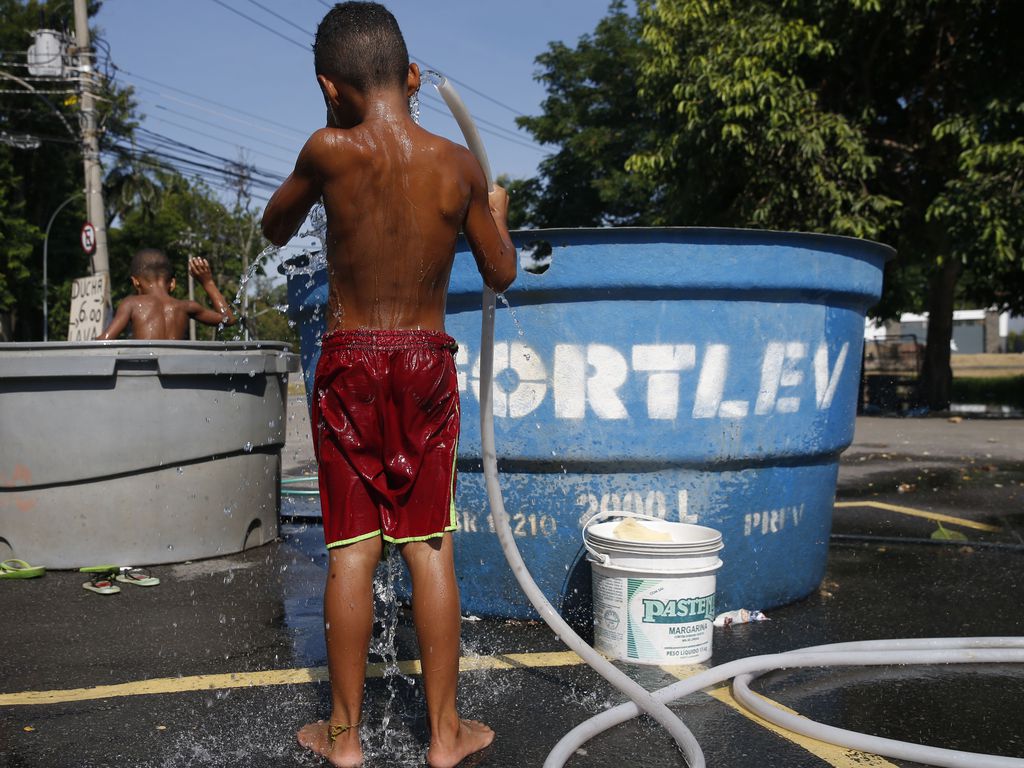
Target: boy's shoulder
{"points": [[327, 146], [454, 157]]}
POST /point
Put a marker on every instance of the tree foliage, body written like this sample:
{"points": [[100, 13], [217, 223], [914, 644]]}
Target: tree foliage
{"points": [[35, 181], [745, 139], [149, 205], [901, 121], [595, 118]]}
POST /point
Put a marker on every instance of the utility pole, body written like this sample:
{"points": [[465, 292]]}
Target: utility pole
{"points": [[95, 210]]}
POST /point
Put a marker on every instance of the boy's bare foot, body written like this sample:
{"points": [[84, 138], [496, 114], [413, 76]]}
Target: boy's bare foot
{"points": [[471, 737], [346, 751]]}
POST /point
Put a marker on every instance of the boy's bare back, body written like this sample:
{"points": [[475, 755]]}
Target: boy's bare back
{"points": [[155, 315], [396, 197]]}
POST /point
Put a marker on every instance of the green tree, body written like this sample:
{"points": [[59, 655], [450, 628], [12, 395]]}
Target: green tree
{"points": [[744, 139], [593, 115], [937, 86], [17, 239], [35, 181], [267, 313], [901, 121]]}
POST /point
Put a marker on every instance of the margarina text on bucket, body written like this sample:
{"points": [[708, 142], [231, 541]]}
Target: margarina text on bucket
{"points": [[654, 599]]}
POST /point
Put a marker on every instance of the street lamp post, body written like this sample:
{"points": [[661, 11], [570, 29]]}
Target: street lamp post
{"points": [[46, 244]]}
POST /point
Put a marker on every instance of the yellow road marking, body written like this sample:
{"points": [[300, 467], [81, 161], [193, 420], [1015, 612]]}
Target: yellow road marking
{"points": [[836, 756], [272, 677], [920, 513], [840, 757]]}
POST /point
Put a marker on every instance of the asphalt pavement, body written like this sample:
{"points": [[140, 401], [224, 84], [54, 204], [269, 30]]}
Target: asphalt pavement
{"points": [[222, 662]]}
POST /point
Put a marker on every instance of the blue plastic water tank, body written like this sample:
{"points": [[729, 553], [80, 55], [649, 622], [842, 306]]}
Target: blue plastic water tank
{"points": [[702, 375]]}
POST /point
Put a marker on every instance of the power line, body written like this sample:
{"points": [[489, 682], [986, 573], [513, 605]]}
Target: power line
{"points": [[228, 164], [217, 112], [218, 126], [258, 23], [279, 16], [471, 89], [217, 177], [195, 150], [496, 135], [185, 167], [221, 140], [208, 101], [479, 120], [255, 178]]}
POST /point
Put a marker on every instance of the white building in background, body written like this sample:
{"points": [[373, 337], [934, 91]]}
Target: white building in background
{"points": [[975, 331]]}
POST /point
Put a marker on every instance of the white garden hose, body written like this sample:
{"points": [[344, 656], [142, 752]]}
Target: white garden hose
{"points": [[971, 650], [636, 692]]}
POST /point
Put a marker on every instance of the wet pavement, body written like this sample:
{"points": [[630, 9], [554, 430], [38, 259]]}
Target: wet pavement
{"points": [[223, 661]]}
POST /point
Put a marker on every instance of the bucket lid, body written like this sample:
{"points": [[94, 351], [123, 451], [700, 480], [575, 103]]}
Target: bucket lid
{"points": [[649, 567], [686, 538]]}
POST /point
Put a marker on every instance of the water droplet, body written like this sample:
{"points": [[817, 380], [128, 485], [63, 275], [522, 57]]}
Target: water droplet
{"points": [[180, 471], [247, 447], [170, 547]]}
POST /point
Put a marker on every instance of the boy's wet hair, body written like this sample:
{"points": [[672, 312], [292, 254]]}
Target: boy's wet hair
{"points": [[360, 43], [152, 264]]}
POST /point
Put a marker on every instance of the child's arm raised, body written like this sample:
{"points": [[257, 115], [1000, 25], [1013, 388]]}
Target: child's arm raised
{"points": [[291, 202], [121, 319], [221, 314], [486, 229]]}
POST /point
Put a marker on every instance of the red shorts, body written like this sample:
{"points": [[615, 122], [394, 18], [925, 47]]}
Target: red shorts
{"points": [[385, 431]]}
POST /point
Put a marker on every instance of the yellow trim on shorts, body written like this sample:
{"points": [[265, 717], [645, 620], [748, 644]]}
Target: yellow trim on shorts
{"points": [[407, 539], [354, 539]]}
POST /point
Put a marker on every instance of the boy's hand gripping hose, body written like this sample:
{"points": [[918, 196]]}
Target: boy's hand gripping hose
{"points": [[637, 693], [970, 650]]}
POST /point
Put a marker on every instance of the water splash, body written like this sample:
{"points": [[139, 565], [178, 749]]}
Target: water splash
{"points": [[512, 313], [414, 107], [431, 76], [386, 739]]}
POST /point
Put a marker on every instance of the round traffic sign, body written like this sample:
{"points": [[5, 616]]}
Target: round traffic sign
{"points": [[88, 238]]}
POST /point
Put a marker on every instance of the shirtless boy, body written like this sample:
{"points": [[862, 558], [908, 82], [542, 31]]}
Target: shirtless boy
{"points": [[153, 312], [385, 406]]}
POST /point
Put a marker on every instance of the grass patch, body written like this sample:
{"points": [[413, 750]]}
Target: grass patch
{"points": [[989, 390]]}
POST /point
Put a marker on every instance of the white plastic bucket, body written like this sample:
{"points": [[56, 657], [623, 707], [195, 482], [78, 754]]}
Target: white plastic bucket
{"points": [[654, 601]]}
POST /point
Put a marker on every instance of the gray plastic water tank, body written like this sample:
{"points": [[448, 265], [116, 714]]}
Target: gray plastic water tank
{"points": [[140, 452]]}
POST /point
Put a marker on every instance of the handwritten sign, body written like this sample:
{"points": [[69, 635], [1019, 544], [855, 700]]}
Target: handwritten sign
{"points": [[89, 300]]}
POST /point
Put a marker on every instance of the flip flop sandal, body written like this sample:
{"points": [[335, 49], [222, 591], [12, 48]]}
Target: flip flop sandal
{"points": [[101, 582], [138, 576], [19, 569]]}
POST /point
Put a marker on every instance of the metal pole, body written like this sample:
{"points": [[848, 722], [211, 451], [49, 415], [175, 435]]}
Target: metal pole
{"points": [[46, 247], [90, 141]]}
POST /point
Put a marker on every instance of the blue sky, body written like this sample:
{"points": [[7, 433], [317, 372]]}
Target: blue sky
{"points": [[206, 51]]}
